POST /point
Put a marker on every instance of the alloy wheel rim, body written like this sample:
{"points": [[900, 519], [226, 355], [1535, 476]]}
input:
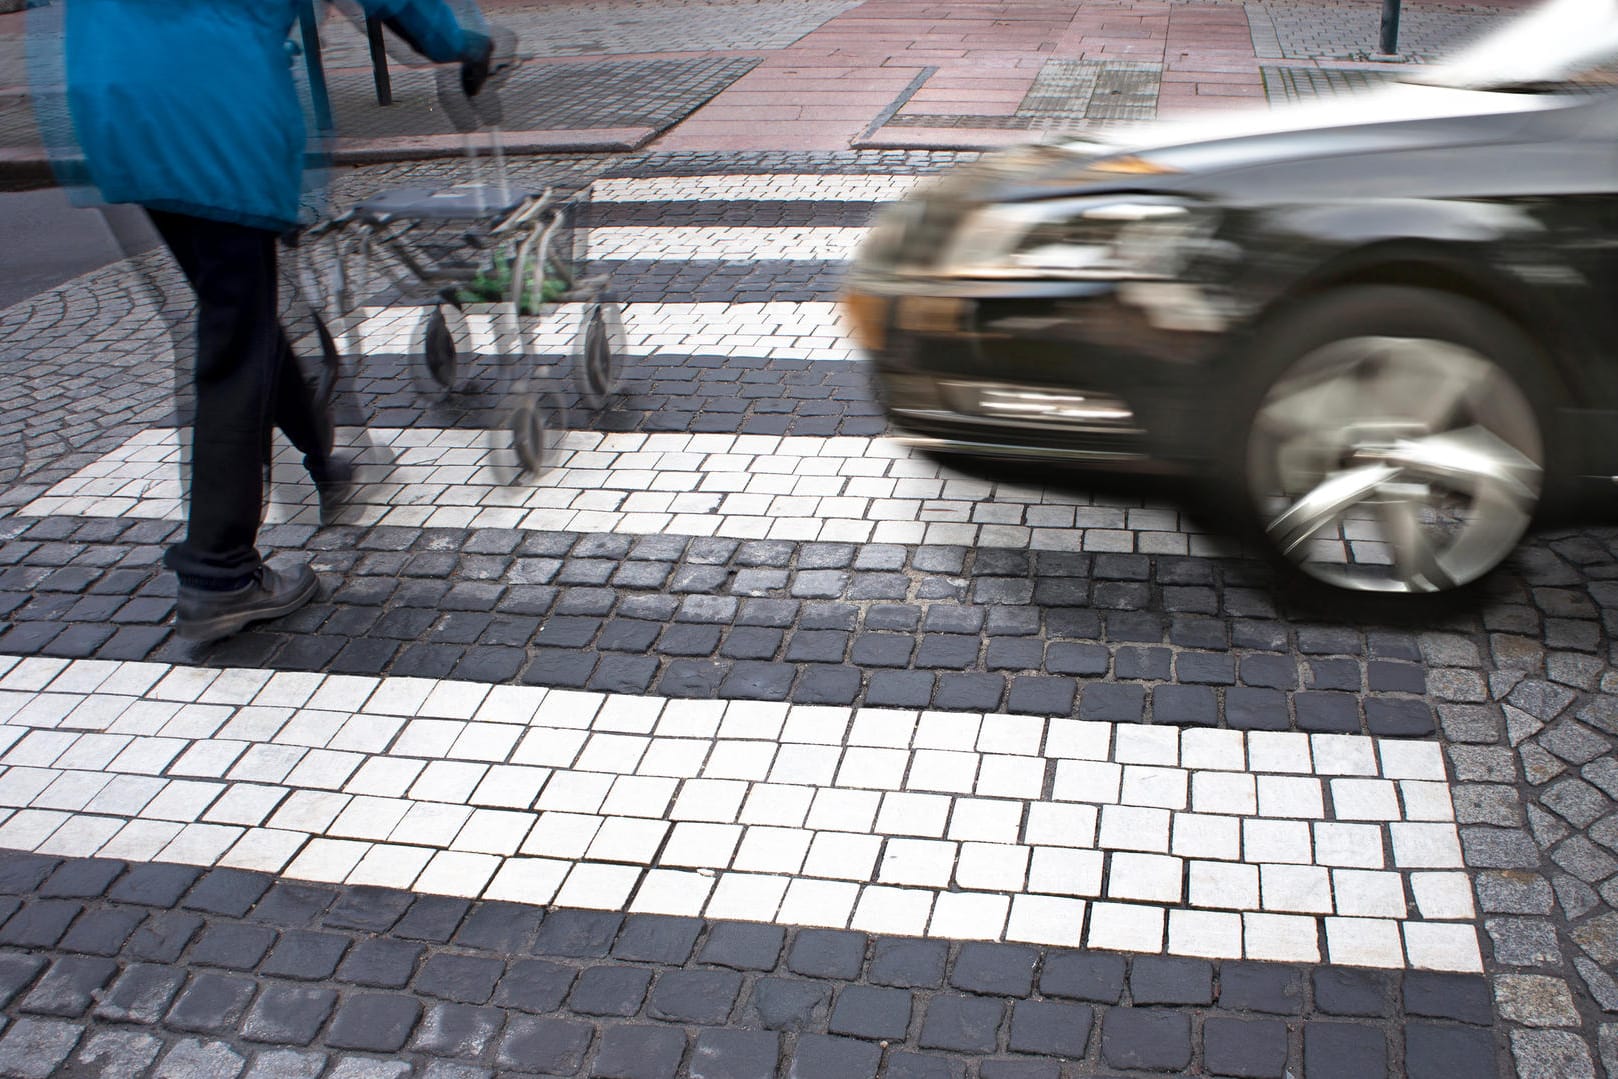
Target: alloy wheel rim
{"points": [[1395, 464]]}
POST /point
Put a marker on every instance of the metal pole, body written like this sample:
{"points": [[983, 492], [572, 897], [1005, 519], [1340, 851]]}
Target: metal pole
{"points": [[1390, 27], [379, 61], [319, 98]]}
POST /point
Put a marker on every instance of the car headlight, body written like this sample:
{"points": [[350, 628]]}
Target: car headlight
{"points": [[1106, 238]]}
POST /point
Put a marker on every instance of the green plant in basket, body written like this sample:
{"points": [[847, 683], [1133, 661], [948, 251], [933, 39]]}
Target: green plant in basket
{"points": [[494, 286]]}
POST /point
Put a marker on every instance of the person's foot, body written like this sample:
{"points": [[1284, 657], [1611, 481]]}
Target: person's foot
{"points": [[334, 484], [205, 615]]}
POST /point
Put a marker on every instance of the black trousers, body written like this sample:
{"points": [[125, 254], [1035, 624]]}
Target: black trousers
{"points": [[247, 383]]}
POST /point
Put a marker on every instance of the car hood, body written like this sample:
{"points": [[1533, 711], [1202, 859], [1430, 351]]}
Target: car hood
{"points": [[1174, 154]]}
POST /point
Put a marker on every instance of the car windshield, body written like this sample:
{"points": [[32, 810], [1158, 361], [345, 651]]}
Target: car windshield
{"points": [[1564, 44]]}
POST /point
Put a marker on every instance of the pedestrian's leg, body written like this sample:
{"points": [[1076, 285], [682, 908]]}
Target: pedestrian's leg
{"points": [[232, 269], [224, 584]]}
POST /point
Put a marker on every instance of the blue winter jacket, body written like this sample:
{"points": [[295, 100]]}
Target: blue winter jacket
{"points": [[190, 105]]}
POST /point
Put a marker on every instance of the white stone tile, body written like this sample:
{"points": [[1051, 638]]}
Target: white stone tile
{"points": [[1007, 734], [1054, 824], [625, 839], [1355, 846], [1207, 748], [732, 759], [750, 897], [1043, 919], [1126, 927], [873, 769], [327, 860], [303, 811], [1165, 788], [1078, 740], [1234, 793], [1205, 933], [527, 880], [780, 804], [263, 850], [766, 849], [969, 916], [1408, 759], [640, 796], [923, 862], [1278, 751], [513, 786], [1011, 777], [1134, 828], [1290, 796], [573, 792], [942, 770], [323, 769], [71, 791], [124, 796], [556, 834], [457, 873], [809, 765], [1343, 755], [1362, 893], [837, 810], [1443, 895], [1284, 841], [1426, 846], [631, 715], [1364, 942], [549, 746], [946, 731], [389, 865], [1199, 835], [913, 815], [843, 856], [1449, 946], [1295, 889], [136, 841], [493, 831], [900, 911], [1364, 799], [80, 836], [885, 727], [450, 781], [1426, 801], [1284, 938], [485, 742], [385, 777], [821, 903], [245, 803], [992, 867], [593, 886], [261, 763], [696, 845], [1087, 781], [1229, 885], [986, 820], [672, 892], [182, 800], [431, 824], [1064, 871], [1152, 877], [1137, 744]]}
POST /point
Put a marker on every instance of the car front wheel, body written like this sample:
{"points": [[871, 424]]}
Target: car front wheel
{"points": [[1396, 439]]}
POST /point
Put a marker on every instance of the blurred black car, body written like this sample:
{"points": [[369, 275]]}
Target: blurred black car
{"points": [[1385, 327]]}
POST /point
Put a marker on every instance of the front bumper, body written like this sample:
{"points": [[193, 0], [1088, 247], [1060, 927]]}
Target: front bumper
{"points": [[1082, 373]]}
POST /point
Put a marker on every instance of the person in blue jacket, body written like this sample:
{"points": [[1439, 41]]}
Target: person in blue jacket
{"points": [[188, 108]]}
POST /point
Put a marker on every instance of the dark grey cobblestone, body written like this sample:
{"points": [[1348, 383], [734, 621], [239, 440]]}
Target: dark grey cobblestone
{"points": [[608, 995]]}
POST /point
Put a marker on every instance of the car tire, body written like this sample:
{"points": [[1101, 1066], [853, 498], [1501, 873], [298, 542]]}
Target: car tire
{"points": [[1391, 439]]}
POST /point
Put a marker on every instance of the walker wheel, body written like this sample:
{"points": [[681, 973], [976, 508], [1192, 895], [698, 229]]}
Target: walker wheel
{"points": [[599, 364], [438, 350], [528, 437], [324, 383]]}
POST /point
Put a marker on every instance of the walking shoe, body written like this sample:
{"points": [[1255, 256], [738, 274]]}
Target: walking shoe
{"points": [[204, 615], [334, 484]]}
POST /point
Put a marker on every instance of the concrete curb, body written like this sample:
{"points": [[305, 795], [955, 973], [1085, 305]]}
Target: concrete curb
{"points": [[26, 168]]}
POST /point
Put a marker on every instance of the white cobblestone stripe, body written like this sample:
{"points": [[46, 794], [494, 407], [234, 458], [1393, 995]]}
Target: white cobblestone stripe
{"points": [[807, 330], [776, 187], [1199, 842], [743, 486], [728, 242]]}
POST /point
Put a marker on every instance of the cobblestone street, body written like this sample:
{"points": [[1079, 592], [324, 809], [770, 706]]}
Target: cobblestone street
{"points": [[746, 742]]}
